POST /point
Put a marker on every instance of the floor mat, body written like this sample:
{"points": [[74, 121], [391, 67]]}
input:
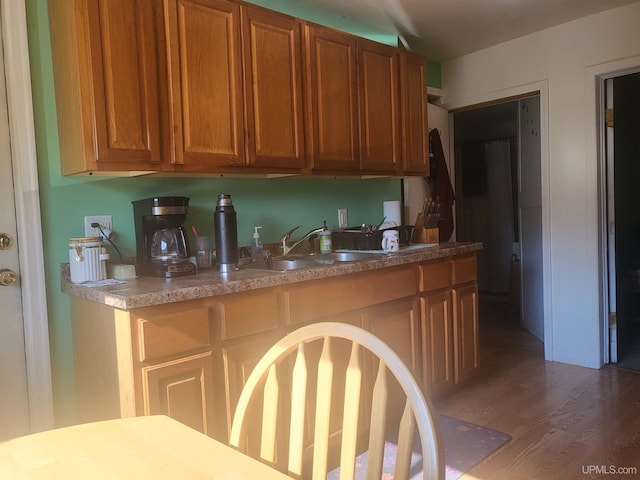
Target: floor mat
{"points": [[465, 445]]}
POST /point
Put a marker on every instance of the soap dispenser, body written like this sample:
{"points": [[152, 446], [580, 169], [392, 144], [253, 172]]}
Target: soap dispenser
{"points": [[325, 240], [256, 246]]}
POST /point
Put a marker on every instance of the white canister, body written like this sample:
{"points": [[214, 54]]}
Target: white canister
{"points": [[84, 259]]}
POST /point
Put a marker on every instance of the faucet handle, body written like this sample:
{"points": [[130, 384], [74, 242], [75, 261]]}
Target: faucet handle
{"points": [[287, 235]]}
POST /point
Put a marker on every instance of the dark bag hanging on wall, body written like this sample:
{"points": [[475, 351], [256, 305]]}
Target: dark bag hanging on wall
{"points": [[442, 188]]}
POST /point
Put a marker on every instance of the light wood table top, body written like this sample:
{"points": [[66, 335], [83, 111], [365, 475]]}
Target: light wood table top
{"points": [[154, 447]]}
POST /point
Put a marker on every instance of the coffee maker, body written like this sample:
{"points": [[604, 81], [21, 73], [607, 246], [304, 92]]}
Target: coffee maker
{"points": [[162, 246]]}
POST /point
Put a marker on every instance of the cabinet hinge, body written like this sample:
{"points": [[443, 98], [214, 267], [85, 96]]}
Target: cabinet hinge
{"points": [[608, 117]]}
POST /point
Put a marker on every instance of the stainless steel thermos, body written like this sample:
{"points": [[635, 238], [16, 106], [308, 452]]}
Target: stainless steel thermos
{"points": [[226, 232]]}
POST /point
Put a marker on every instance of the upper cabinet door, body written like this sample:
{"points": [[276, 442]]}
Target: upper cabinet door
{"points": [[204, 74], [105, 67], [332, 109], [414, 113], [380, 138], [272, 52]]}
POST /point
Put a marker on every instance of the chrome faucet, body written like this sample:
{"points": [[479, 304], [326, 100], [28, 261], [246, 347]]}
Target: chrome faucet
{"points": [[286, 248]]}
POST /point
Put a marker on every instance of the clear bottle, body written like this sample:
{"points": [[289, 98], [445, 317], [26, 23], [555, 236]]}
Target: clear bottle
{"points": [[256, 246]]}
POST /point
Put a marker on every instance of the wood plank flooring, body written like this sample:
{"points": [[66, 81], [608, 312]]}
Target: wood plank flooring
{"points": [[567, 422]]}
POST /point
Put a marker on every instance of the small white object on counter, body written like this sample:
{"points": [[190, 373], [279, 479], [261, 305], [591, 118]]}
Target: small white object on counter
{"points": [[123, 272]]}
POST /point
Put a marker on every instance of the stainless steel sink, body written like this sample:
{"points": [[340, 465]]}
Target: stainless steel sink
{"points": [[296, 262], [349, 256]]}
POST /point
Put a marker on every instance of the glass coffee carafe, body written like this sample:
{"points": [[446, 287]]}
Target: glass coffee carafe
{"points": [[169, 245]]}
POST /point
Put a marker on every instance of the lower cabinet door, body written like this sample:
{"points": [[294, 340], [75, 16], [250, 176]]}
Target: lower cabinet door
{"points": [[183, 390], [437, 342], [398, 325], [238, 361], [465, 330]]}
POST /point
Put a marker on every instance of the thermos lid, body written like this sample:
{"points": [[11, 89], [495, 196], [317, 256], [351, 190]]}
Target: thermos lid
{"points": [[224, 199]]}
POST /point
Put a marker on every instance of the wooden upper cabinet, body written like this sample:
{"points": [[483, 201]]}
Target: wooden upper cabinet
{"points": [[415, 156], [204, 128], [105, 68], [219, 86], [331, 94], [272, 54], [379, 98]]}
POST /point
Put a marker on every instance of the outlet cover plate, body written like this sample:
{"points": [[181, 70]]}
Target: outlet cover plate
{"points": [[105, 222]]}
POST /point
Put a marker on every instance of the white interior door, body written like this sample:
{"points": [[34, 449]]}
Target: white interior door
{"points": [[14, 395], [26, 399], [530, 213]]}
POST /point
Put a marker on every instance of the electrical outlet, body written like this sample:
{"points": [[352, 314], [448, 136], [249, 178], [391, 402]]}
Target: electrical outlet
{"points": [[343, 218], [105, 222]]}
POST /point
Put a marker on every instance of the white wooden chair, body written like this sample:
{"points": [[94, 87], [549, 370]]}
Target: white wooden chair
{"points": [[266, 386]]}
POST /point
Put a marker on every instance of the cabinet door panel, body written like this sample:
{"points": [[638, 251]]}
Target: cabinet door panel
{"points": [[414, 118], [238, 361], [205, 82], [465, 331], [437, 342], [272, 51], [107, 102], [379, 107], [182, 390], [397, 325], [332, 116], [126, 79]]}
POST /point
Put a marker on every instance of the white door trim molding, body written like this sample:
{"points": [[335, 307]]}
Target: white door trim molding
{"points": [[25, 179], [594, 103]]}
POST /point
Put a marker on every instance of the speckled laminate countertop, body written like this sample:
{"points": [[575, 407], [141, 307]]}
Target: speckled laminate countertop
{"points": [[150, 291]]}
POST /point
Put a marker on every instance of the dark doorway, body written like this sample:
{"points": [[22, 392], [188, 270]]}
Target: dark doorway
{"points": [[626, 105], [499, 203], [486, 166]]}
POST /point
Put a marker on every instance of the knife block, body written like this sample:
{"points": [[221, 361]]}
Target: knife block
{"points": [[430, 235]]}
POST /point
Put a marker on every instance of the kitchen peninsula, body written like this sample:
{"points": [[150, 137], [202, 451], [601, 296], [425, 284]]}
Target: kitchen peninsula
{"points": [[184, 347]]}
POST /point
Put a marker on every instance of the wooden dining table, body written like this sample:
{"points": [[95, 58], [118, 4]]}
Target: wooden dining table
{"points": [[150, 447]]}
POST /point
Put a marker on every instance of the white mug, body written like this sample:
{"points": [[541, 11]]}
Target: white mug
{"points": [[390, 241]]}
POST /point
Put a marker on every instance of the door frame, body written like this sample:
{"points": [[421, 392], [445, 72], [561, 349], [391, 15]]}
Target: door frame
{"points": [[542, 88], [27, 201], [596, 77]]}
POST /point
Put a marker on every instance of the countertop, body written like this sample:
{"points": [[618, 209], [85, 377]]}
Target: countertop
{"points": [[150, 291]]}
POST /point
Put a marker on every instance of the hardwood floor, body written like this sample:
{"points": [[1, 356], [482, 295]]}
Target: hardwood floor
{"points": [[567, 422]]}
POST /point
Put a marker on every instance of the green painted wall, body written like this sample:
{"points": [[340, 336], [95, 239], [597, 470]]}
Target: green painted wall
{"points": [[276, 204]]}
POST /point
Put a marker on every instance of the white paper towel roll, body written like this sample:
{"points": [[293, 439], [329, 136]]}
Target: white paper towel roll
{"points": [[392, 211]]}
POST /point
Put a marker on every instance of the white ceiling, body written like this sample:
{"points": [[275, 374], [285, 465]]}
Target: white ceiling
{"points": [[445, 29]]}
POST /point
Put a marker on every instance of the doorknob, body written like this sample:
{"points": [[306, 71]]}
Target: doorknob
{"points": [[5, 241], [7, 277]]}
